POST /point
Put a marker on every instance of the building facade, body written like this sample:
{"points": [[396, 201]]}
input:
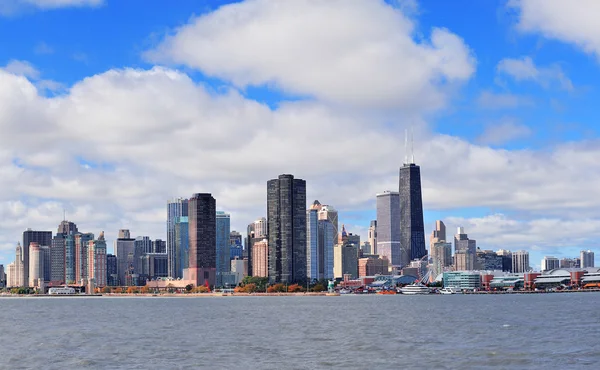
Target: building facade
{"points": [[412, 229], [181, 248], [176, 208], [203, 239], [260, 258], [124, 248], [42, 238], [371, 266], [223, 246], [345, 260], [549, 263], [286, 218], [520, 261], [97, 269], [389, 244], [36, 264], [112, 276], [586, 258], [372, 236]]}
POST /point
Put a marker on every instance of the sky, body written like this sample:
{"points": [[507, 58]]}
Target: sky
{"points": [[109, 108]]}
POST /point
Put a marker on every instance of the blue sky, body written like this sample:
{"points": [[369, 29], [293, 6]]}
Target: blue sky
{"points": [[513, 88]]}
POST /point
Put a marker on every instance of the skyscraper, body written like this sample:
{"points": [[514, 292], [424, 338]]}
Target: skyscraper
{"points": [[345, 260], [112, 276], [587, 258], [438, 234], [97, 268], [203, 238], [388, 228], [550, 263], [29, 236], [222, 245], [176, 208], [124, 246], [286, 217], [412, 232], [260, 258], [15, 274], [256, 232], [320, 239], [520, 261], [462, 243], [372, 236], [236, 246], [36, 264], [182, 249], [82, 241], [57, 258]]}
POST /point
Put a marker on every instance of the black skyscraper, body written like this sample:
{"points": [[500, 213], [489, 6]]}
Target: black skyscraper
{"points": [[412, 230], [44, 238], [202, 217], [286, 219]]}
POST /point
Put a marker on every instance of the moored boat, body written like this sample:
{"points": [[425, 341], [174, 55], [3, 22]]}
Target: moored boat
{"points": [[416, 288]]}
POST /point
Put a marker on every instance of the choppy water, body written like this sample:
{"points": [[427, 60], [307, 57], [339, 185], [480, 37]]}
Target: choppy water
{"points": [[559, 331]]}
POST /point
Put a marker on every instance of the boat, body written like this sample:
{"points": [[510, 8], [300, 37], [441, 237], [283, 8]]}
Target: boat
{"points": [[450, 290], [61, 291], [416, 288], [345, 291]]}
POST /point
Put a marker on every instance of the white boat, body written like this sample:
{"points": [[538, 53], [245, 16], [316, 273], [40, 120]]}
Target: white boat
{"points": [[61, 291], [416, 288], [345, 291], [450, 290]]}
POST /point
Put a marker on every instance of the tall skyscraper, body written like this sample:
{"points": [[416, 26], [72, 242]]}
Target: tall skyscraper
{"points": [[29, 236], [222, 245], [176, 208], [286, 217], [66, 228], [260, 258], [328, 213], [97, 268], [412, 231], [203, 239], [15, 274], [462, 243], [388, 228], [57, 258], [438, 234], [550, 263], [36, 264], [82, 241], [587, 259], [441, 256], [236, 246], [124, 246], [372, 236], [345, 260], [182, 246], [320, 239], [520, 261], [112, 276]]}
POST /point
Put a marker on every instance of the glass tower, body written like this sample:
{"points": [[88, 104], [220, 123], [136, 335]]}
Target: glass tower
{"points": [[412, 230]]}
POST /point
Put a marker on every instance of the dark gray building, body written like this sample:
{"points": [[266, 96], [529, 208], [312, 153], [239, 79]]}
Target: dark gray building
{"points": [[389, 245], [44, 238], [112, 277], [203, 238], [412, 228], [286, 219]]}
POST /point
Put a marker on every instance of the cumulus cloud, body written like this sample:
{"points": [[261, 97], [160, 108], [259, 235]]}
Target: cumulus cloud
{"points": [[491, 100], [570, 22], [504, 131], [356, 52], [524, 69], [26, 69], [11, 7]]}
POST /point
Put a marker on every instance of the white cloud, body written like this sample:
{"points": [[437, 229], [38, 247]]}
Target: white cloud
{"points": [[12, 7], [524, 69], [567, 21], [355, 52], [22, 68], [491, 100], [503, 131]]}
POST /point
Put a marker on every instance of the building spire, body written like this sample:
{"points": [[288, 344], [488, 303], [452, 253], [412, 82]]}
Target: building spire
{"points": [[412, 145], [405, 146]]}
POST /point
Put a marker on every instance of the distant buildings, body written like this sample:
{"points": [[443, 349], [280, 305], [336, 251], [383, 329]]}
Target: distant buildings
{"points": [[520, 262], [236, 246], [388, 228], [203, 239], [286, 217], [260, 258], [256, 232], [97, 260], [570, 263], [43, 238], [549, 263], [370, 266], [223, 246], [124, 248], [372, 236], [345, 257], [465, 247], [587, 258], [412, 232], [488, 260], [321, 235], [176, 209]]}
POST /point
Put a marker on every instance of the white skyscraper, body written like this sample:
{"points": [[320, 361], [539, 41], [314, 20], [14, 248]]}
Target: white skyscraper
{"points": [[520, 261], [550, 263], [587, 258]]}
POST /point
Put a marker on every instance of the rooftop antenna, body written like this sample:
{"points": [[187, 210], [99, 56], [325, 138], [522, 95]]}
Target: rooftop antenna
{"points": [[406, 146], [412, 145], [64, 214]]}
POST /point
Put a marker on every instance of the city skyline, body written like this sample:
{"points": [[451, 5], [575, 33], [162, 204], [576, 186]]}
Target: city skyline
{"points": [[499, 132]]}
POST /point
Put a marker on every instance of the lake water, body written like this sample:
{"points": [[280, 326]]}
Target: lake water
{"points": [[559, 331]]}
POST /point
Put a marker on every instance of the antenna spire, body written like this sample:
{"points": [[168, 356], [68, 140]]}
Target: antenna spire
{"points": [[406, 146], [412, 145]]}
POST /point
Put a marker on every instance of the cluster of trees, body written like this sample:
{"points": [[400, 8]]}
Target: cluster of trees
{"points": [[253, 284]]}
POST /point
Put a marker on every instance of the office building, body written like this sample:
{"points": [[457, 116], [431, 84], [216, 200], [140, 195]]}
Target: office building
{"points": [[321, 236], [124, 247], [345, 260], [15, 275], [203, 239], [372, 236], [438, 234], [463, 260], [260, 258], [153, 266], [586, 258], [412, 228], [159, 246], [66, 228], [441, 257], [57, 259], [181, 248], [371, 266], [46, 260], [286, 217], [520, 262], [236, 246], [256, 232], [97, 268], [29, 236], [82, 241], [328, 213], [506, 259], [36, 265], [222, 246], [112, 276], [237, 268], [566, 263], [549, 263], [462, 243], [488, 260], [388, 229], [176, 209]]}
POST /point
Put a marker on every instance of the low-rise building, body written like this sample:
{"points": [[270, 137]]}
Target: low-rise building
{"points": [[468, 280]]}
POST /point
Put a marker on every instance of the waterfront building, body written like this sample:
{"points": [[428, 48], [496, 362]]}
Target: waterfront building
{"points": [[16, 276], [82, 241], [468, 280], [345, 260], [181, 248], [488, 260], [372, 236], [286, 217], [441, 257], [587, 259], [370, 266], [321, 235], [46, 260], [549, 263], [112, 276], [412, 227], [238, 268], [388, 229], [30, 236], [124, 247], [97, 269], [176, 208], [203, 239], [463, 243], [223, 246], [57, 259], [236, 247], [153, 266], [438, 234], [567, 263], [260, 258], [256, 232], [463, 261], [520, 262], [36, 264]]}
